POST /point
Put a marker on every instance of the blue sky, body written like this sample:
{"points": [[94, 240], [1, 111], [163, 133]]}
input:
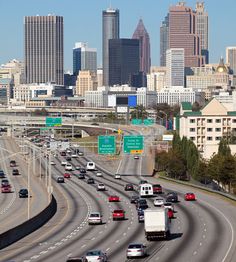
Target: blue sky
{"points": [[83, 23]]}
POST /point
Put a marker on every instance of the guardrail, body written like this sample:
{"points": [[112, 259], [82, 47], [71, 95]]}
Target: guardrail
{"points": [[231, 197], [12, 235]]}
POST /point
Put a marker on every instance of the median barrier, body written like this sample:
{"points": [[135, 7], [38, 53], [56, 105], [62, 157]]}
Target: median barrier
{"points": [[12, 235]]}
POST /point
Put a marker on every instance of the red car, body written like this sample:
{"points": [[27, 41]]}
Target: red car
{"points": [[189, 197], [6, 189], [114, 199], [67, 175], [170, 213], [118, 214], [157, 189]]}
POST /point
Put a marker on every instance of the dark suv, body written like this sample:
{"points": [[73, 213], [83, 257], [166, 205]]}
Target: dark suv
{"points": [[172, 197], [157, 189], [23, 192], [15, 172], [2, 174]]}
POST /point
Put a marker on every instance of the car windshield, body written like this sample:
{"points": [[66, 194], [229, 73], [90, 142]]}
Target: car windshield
{"points": [[94, 253], [118, 211], [135, 246]]}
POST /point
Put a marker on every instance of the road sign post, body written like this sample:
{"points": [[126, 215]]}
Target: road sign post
{"points": [[106, 145], [133, 144], [136, 121]]}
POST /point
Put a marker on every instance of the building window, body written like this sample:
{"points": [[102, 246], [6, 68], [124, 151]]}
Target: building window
{"points": [[234, 120], [192, 138], [192, 129], [209, 120], [192, 121], [218, 129], [209, 138], [218, 120], [209, 129], [218, 138]]}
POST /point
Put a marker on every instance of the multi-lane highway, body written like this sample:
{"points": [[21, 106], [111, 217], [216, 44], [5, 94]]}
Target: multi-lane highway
{"points": [[202, 230]]}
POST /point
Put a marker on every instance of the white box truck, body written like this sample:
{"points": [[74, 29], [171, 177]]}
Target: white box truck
{"points": [[156, 223]]}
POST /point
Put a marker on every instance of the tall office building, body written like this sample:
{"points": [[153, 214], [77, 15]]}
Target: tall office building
{"points": [[164, 40], [86, 81], [84, 58], [231, 58], [44, 49], [182, 34], [143, 36], [123, 60], [175, 67], [110, 30], [202, 29]]}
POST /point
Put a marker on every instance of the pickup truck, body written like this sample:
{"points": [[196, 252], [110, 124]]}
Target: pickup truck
{"points": [[118, 214]]}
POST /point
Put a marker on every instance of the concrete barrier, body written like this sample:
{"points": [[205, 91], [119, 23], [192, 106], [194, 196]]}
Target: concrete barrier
{"points": [[12, 235]]}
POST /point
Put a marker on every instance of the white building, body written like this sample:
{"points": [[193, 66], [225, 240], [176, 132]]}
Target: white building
{"points": [[99, 98], [207, 126], [178, 94], [28, 91], [175, 67], [156, 81]]}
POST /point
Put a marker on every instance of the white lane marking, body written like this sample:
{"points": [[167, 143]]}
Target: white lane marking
{"points": [[43, 252], [194, 253], [117, 241], [108, 248], [200, 243], [93, 238], [83, 246], [34, 257], [230, 225]]}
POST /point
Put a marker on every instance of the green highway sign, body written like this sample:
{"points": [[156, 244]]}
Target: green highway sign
{"points": [[133, 144], [136, 121], [53, 121], [106, 145], [148, 121]]}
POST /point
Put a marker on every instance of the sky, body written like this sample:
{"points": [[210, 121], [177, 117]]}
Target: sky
{"points": [[83, 23]]}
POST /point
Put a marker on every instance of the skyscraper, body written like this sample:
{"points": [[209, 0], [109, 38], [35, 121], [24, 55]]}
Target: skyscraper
{"points": [[44, 49], [202, 29], [84, 58], [164, 40], [182, 34], [231, 58], [143, 36], [110, 30], [123, 60], [175, 67]]}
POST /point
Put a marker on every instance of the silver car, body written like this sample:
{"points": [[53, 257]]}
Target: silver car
{"points": [[95, 218], [136, 250], [96, 255]]}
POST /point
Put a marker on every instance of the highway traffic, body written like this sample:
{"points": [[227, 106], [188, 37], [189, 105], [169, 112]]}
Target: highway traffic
{"points": [[201, 230]]}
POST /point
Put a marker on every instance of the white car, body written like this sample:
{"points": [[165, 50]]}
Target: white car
{"points": [[136, 250], [169, 205], [96, 255], [53, 163], [74, 155], [80, 153], [136, 157], [94, 218], [101, 187], [63, 163], [68, 167], [117, 176], [90, 166], [158, 202], [99, 174]]}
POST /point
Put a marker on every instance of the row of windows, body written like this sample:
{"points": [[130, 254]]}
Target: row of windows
{"points": [[210, 121], [209, 138], [217, 129]]}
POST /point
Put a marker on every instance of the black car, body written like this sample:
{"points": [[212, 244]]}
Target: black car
{"points": [[140, 215], [129, 187], [23, 192], [81, 176], [5, 182], [172, 197], [2, 174], [12, 163], [141, 202], [60, 179], [75, 259], [90, 181], [15, 172], [134, 199], [82, 170], [143, 182], [68, 158]]}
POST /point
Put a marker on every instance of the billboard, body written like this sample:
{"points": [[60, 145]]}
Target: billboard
{"points": [[111, 100], [132, 101], [122, 100]]}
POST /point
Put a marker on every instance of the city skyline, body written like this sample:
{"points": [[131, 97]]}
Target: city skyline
{"points": [[83, 23]]}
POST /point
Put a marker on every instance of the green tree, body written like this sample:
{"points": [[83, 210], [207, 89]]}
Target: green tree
{"points": [[162, 160], [176, 166], [224, 148], [139, 112]]}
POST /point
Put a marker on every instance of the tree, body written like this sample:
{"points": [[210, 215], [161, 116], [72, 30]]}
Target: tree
{"points": [[162, 160], [176, 166], [139, 112], [196, 106], [224, 148]]}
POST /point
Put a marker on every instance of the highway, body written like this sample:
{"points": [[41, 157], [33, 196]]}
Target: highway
{"points": [[14, 210], [202, 230]]}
